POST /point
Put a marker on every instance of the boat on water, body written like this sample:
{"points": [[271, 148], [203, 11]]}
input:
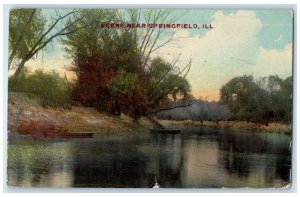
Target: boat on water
{"points": [[168, 131], [68, 134]]}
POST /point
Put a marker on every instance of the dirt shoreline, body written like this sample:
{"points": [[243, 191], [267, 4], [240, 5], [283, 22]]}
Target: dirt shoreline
{"points": [[27, 116], [275, 127]]}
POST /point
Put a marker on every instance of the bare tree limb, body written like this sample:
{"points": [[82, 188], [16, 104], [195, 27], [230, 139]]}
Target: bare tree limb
{"points": [[40, 44], [50, 29], [169, 90], [170, 108], [14, 51], [162, 77]]}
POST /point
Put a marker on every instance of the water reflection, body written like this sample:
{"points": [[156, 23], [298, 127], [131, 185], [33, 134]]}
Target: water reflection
{"points": [[256, 158], [199, 157], [37, 164]]}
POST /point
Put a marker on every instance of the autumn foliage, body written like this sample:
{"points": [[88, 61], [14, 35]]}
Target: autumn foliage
{"points": [[116, 74], [101, 87]]}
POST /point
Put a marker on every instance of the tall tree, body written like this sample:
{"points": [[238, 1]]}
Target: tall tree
{"points": [[110, 65], [30, 31], [25, 29], [246, 100], [280, 95], [264, 100], [287, 93], [150, 39], [167, 81]]}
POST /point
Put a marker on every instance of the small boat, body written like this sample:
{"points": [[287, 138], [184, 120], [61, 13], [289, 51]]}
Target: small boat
{"points": [[68, 135], [168, 131]]}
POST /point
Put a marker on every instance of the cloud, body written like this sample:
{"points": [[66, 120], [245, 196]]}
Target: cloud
{"points": [[231, 49], [274, 62]]}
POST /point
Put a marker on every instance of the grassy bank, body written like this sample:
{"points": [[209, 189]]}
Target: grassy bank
{"points": [[27, 112], [272, 127], [26, 115]]}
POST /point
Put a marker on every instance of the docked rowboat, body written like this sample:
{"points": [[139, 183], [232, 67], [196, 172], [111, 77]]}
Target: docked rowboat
{"points": [[68, 135], [168, 131]]}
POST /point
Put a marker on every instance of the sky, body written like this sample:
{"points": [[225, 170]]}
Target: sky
{"points": [[242, 42]]}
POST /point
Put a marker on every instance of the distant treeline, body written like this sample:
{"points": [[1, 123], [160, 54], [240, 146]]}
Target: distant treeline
{"points": [[267, 99], [264, 100], [196, 110]]}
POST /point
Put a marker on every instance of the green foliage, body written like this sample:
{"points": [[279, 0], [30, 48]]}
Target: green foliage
{"points": [[267, 99], [26, 27], [179, 86], [165, 81], [113, 72], [85, 42], [50, 88], [123, 83]]}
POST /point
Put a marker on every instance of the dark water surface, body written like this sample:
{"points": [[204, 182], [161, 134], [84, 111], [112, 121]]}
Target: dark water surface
{"points": [[198, 157]]}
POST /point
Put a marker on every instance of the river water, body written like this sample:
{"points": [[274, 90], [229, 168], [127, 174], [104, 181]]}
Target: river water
{"points": [[196, 158]]}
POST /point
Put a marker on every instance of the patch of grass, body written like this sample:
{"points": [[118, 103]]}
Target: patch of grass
{"points": [[272, 127], [253, 155]]}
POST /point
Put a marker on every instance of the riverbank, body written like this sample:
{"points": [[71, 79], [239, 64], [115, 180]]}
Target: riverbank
{"points": [[27, 116], [272, 127]]}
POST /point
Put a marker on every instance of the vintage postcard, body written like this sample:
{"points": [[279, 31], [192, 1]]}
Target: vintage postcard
{"points": [[150, 98]]}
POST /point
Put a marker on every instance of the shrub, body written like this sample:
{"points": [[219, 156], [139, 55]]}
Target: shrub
{"points": [[50, 88]]}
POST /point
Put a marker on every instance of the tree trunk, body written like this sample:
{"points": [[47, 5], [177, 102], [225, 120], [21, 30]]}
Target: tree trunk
{"points": [[201, 121], [267, 123], [20, 67], [117, 107], [155, 122], [11, 57]]}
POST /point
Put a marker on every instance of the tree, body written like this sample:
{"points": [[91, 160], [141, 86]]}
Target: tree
{"points": [[110, 62], [167, 80], [122, 84], [30, 32], [287, 94], [25, 29], [106, 62], [149, 38], [280, 93], [246, 100], [92, 40], [264, 100]]}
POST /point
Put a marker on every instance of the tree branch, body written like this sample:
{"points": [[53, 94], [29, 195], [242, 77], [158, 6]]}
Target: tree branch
{"points": [[163, 76], [170, 108], [14, 51], [170, 89], [49, 30]]}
